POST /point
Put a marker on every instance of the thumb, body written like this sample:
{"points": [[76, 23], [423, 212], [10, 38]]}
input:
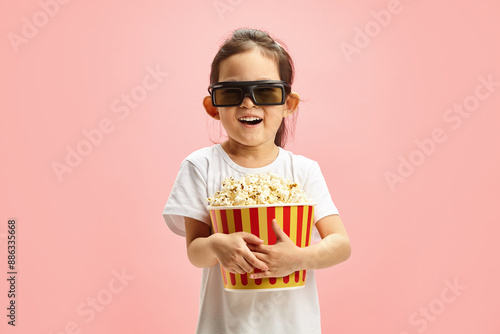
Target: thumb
{"points": [[278, 232]]}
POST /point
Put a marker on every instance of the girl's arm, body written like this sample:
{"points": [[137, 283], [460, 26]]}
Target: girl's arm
{"points": [[333, 248], [230, 250], [285, 257]]}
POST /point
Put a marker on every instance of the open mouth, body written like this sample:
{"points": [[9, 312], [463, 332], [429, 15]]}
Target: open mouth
{"points": [[250, 120]]}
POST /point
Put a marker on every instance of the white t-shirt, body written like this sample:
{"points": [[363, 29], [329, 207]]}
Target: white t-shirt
{"points": [[221, 311]]}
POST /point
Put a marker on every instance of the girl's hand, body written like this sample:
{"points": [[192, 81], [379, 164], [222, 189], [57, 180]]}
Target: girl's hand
{"points": [[233, 253], [282, 258]]}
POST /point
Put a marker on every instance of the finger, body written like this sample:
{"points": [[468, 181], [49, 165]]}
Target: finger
{"points": [[252, 239], [263, 274], [233, 270], [257, 248], [278, 232], [246, 267], [240, 267], [255, 262], [260, 256]]}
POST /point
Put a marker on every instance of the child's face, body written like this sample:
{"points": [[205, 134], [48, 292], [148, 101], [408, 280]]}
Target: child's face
{"points": [[250, 66]]}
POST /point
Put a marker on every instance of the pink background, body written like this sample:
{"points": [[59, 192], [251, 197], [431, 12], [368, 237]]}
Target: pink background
{"points": [[363, 112]]}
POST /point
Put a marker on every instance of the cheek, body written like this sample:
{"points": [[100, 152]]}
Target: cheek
{"points": [[277, 115], [227, 118], [224, 113]]}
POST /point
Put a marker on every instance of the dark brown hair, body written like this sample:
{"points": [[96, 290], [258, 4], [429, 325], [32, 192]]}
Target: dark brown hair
{"points": [[244, 40]]}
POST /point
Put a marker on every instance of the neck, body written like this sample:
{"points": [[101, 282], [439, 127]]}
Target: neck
{"points": [[251, 156]]}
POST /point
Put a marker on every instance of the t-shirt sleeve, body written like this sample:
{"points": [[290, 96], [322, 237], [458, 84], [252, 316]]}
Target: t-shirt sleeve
{"points": [[316, 188], [187, 199]]}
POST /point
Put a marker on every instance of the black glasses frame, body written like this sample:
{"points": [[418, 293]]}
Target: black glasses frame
{"points": [[247, 88]]}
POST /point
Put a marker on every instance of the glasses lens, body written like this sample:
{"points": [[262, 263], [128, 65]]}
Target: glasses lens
{"points": [[268, 95], [228, 96]]}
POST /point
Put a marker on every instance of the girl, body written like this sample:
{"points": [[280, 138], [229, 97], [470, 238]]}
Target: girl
{"points": [[250, 94]]}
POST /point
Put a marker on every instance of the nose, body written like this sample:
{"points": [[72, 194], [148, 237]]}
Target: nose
{"points": [[247, 102]]}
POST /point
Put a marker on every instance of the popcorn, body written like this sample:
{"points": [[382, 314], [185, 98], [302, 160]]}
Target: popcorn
{"points": [[255, 189]]}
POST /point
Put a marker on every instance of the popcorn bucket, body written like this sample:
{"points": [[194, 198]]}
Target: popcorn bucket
{"points": [[296, 220]]}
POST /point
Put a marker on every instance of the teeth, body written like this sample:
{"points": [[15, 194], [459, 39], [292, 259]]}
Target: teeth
{"points": [[249, 119]]}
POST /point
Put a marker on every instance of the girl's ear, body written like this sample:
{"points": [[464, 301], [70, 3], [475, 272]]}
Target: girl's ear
{"points": [[209, 108], [291, 104]]}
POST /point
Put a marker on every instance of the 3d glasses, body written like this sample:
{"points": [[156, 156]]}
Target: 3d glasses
{"points": [[262, 92]]}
